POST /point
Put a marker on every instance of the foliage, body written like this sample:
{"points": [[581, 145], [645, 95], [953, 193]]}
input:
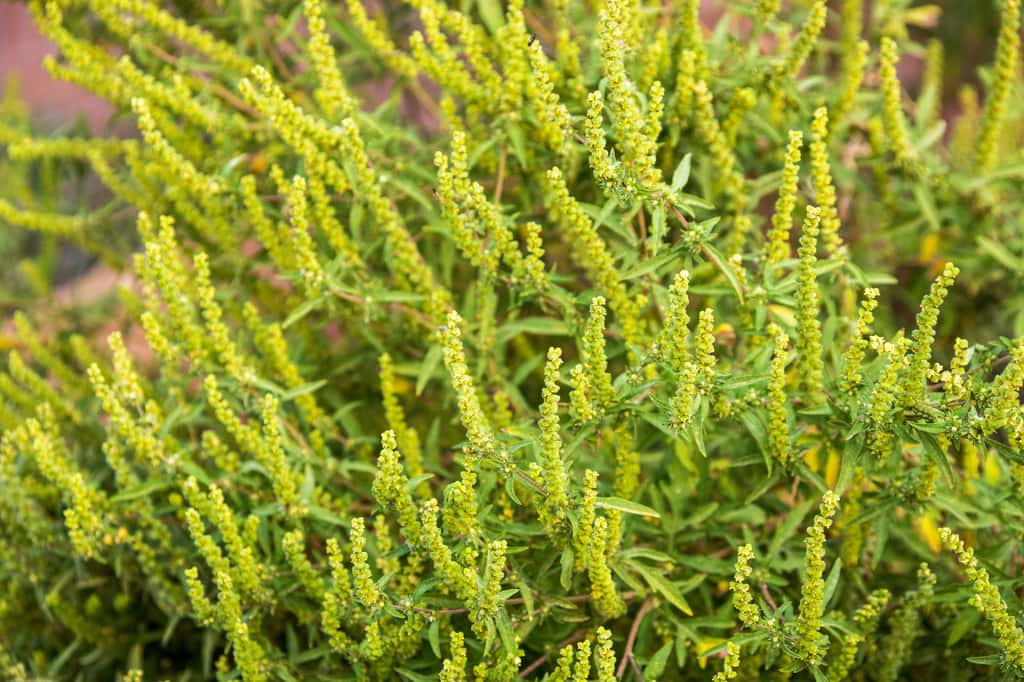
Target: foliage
{"points": [[481, 345]]}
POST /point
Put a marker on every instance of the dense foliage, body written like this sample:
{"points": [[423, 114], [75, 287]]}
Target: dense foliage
{"points": [[467, 341]]}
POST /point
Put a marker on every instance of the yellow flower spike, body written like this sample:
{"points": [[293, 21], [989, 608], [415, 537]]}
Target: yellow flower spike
{"points": [[954, 379], [270, 343], [604, 656], [654, 59], [453, 669], [478, 429], [487, 601], [184, 178], [809, 351], [301, 244], [672, 341], [804, 43], [555, 122], [475, 47], [731, 179], [341, 581], [592, 389], [180, 30], [886, 390], [462, 582], [692, 38], [892, 107], [743, 100], [704, 350], [591, 253], [778, 426], [824, 189], [408, 439], [730, 669], [512, 40], [48, 359], [219, 336], [683, 401], [810, 643], [581, 671], [1004, 76], [39, 388], [441, 61], [742, 598], [248, 574], [365, 587], [854, 358], [376, 36], [765, 11], [600, 160], [285, 481], [127, 382], [923, 338], [459, 514], [854, 65], [40, 221], [319, 169], [554, 474], [866, 618], [84, 504], [1002, 403], [389, 487], [332, 94], [584, 531], [602, 585], [179, 102], [685, 89], [987, 599], [650, 174], [635, 145]]}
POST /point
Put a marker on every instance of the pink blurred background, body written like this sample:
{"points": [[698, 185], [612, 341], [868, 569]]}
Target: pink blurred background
{"points": [[52, 102]]}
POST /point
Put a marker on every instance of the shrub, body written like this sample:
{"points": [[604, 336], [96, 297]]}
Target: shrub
{"points": [[559, 341]]}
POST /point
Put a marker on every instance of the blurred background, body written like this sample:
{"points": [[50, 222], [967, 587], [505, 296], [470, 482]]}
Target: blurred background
{"points": [[967, 29]]}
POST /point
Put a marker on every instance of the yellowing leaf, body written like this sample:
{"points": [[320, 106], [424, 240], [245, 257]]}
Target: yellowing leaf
{"points": [[928, 531], [832, 466]]}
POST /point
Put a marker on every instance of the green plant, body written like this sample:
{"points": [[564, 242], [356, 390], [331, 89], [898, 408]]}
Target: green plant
{"points": [[508, 372]]}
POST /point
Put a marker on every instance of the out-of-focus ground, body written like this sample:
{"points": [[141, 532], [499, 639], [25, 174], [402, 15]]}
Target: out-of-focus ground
{"points": [[52, 102]]}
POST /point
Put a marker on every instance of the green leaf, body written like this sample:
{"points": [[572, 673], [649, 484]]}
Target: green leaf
{"points": [[491, 14], [965, 621], [568, 559], [143, 489], [937, 455], [434, 637], [663, 586], [294, 393], [1001, 254], [540, 326], [656, 663], [326, 516], [625, 506], [682, 174], [720, 262], [657, 227], [427, 368]]}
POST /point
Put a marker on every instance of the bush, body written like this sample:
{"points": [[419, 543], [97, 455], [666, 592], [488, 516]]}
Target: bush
{"points": [[559, 342]]}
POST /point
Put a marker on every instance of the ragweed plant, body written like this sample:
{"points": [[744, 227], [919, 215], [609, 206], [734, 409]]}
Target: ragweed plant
{"points": [[483, 341]]}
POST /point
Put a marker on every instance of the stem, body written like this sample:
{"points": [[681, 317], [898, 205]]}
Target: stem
{"points": [[627, 654]]}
